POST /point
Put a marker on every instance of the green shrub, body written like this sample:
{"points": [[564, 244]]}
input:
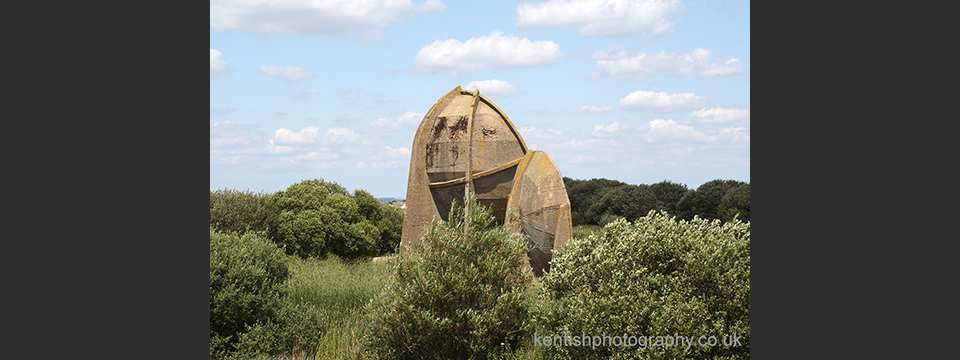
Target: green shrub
{"points": [[657, 277], [317, 218], [390, 224], [247, 278], [459, 293], [296, 329], [609, 218], [237, 212]]}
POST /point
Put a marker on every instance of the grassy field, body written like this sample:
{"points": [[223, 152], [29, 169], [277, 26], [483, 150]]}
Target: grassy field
{"points": [[339, 290]]}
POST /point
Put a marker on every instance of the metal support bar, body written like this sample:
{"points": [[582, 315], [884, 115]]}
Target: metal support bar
{"points": [[468, 188]]}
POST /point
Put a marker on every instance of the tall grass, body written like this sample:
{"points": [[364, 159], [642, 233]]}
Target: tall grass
{"points": [[340, 290], [582, 231]]}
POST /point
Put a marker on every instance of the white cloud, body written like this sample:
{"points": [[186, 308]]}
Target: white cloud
{"points": [[590, 109], [723, 66], [389, 153], [430, 5], [228, 133], [601, 130], [718, 115], [304, 136], [339, 136], [494, 88], [535, 138], [408, 119], [316, 156], [492, 51], [378, 165], [217, 67], [736, 135], [365, 19], [669, 131], [644, 19], [661, 102], [542, 134], [285, 73], [617, 62], [387, 158]]}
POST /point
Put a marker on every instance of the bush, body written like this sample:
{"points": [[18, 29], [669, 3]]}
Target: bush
{"points": [[657, 277], [609, 218], [237, 212], [296, 329], [458, 293], [317, 218], [247, 275]]}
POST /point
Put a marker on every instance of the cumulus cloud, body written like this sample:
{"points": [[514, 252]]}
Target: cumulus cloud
{"points": [[378, 165], [494, 88], [491, 51], [718, 115], [365, 19], [228, 129], [285, 73], [387, 158], [590, 109], [541, 134], [661, 102], [428, 6], [617, 62], [408, 119], [534, 137], [316, 156], [668, 130], [340, 136], [389, 153], [217, 67], [644, 19], [287, 136], [601, 130]]}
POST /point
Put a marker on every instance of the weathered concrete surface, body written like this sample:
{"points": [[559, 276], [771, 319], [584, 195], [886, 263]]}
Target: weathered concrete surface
{"points": [[540, 198], [439, 158], [466, 143]]}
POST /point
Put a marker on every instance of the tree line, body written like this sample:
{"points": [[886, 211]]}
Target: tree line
{"points": [[314, 218], [600, 201]]}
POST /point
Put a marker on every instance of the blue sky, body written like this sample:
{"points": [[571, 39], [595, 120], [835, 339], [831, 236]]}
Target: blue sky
{"points": [[637, 91]]}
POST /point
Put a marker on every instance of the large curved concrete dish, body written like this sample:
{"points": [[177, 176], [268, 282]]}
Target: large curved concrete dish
{"points": [[464, 144], [462, 128], [540, 198]]}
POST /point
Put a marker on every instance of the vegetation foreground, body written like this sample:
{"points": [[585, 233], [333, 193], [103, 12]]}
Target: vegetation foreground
{"points": [[655, 288]]}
